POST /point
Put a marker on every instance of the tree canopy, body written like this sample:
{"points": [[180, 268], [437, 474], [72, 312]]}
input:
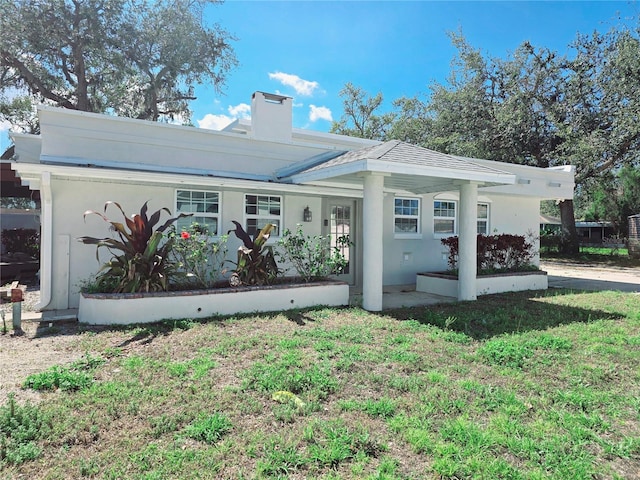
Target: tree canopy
{"points": [[133, 58], [534, 107]]}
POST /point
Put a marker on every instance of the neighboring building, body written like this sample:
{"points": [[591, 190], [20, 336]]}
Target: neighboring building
{"points": [[593, 233], [550, 225], [396, 201]]}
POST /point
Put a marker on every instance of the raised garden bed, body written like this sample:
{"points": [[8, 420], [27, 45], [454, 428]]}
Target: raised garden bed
{"points": [[128, 308], [447, 285]]}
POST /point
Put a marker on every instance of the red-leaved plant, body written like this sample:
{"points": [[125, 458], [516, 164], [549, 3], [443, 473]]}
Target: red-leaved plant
{"points": [[140, 259], [496, 253]]}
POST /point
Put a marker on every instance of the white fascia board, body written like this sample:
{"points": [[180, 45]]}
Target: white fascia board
{"points": [[423, 171], [53, 160], [30, 173], [545, 183], [27, 146], [382, 166], [330, 172], [107, 127]]}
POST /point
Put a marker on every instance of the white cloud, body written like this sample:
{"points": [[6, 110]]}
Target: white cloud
{"points": [[214, 122], [242, 110], [319, 113], [301, 86], [218, 122]]}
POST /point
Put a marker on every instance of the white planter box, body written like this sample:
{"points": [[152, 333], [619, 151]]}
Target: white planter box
{"points": [[128, 308], [447, 285]]}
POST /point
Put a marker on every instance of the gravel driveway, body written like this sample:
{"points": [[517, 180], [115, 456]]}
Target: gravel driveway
{"points": [[580, 276]]}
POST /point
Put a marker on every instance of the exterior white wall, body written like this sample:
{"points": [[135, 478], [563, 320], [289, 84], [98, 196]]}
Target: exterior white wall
{"points": [[87, 138], [72, 198], [403, 258]]}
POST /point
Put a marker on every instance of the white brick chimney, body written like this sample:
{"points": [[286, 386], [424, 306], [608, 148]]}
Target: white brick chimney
{"points": [[271, 117]]}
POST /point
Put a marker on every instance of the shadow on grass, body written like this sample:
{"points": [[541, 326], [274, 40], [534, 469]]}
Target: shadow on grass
{"points": [[519, 312], [489, 316], [144, 334]]}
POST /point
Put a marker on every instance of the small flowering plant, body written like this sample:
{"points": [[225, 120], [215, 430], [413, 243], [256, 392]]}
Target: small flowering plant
{"points": [[313, 257], [199, 257]]}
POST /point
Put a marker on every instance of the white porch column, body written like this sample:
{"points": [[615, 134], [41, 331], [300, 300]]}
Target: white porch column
{"points": [[372, 251], [467, 238]]}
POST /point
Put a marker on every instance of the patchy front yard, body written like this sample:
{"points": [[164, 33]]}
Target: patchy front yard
{"points": [[527, 385]]}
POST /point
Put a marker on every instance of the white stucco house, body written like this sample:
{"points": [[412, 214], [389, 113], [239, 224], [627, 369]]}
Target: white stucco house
{"points": [[396, 201]]}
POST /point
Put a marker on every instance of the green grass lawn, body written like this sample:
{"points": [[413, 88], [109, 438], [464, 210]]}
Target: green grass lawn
{"points": [[542, 385]]}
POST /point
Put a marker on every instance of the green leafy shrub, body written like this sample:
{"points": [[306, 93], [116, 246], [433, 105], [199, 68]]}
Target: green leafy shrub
{"points": [[58, 377], [20, 428], [200, 258], [312, 257], [496, 253], [22, 240], [140, 261], [256, 264], [76, 376]]}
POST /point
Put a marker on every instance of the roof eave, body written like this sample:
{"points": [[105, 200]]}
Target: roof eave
{"points": [[381, 166]]}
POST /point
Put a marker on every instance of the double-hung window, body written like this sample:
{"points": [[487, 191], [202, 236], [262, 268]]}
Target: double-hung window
{"points": [[260, 210], [444, 217], [483, 218], [205, 207], [406, 216]]}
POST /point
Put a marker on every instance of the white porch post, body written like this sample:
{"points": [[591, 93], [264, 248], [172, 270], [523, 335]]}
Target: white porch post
{"points": [[467, 246], [372, 251]]}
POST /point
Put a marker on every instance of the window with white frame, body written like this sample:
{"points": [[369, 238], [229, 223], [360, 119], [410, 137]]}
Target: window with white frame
{"points": [[260, 210], [483, 218], [406, 215], [444, 217], [205, 207]]}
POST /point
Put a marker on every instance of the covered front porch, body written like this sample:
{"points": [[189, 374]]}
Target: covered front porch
{"points": [[400, 167]]}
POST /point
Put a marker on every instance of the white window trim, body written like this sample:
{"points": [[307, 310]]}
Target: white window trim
{"points": [[280, 217], [406, 235], [202, 214], [455, 218]]}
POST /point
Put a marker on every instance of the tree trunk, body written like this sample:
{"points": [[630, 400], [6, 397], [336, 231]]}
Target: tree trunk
{"points": [[569, 237]]}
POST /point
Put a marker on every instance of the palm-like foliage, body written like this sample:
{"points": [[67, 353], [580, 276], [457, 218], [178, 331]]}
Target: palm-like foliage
{"points": [[140, 259], [256, 263]]}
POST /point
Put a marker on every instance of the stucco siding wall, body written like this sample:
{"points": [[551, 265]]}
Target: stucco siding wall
{"points": [[70, 200], [403, 258], [74, 262], [97, 138]]}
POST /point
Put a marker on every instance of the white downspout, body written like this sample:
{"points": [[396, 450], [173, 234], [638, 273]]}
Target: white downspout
{"points": [[46, 241]]}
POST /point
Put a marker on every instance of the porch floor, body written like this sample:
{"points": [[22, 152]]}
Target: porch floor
{"points": [[398, 296]]}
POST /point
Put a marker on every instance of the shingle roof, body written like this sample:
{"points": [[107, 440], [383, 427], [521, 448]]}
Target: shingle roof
{"points": [[399, 152]]}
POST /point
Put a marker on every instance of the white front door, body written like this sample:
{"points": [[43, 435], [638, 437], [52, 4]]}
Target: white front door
{"points": [[341, 224]]}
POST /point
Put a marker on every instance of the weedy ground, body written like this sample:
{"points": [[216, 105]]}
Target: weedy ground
{"points": [[535, 385]]}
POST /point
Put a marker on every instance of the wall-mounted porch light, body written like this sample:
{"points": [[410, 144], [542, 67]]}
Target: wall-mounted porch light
{"points": [[306, 214]]}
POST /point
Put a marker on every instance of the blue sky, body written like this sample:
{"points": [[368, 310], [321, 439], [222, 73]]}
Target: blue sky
{"points": [[310, 49]]}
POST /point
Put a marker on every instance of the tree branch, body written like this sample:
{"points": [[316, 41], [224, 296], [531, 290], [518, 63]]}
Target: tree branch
{"points": [[34, 82]]}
